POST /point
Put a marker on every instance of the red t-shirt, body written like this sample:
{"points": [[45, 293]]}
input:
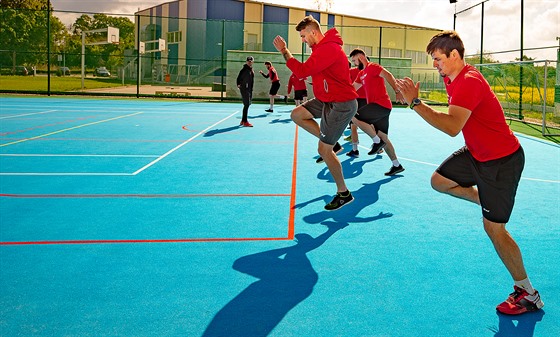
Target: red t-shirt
{"points": [[297, 83], [486, 132], [354, 71], [328, 67], [273, 75], [374, 85]]}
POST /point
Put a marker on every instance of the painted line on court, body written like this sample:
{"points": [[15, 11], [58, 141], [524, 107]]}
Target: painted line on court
{"points": [[64, 174], [68, 129], [79, 155], [183, 144], [436, 165], [68, 242], [29, 114], [142, 196], [291, 219], [184, 240]]}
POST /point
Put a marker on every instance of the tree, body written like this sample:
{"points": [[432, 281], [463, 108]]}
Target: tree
{"points": [[24, 31]]}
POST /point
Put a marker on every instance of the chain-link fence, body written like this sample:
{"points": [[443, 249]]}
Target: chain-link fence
{"points": [[201, 58]]}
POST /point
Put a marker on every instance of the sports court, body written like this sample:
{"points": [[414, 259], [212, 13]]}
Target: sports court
{"points": [[165, 218]]}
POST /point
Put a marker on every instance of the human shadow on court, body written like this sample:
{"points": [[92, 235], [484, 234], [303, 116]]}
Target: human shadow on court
{"points": [[525, 326], [214, 132], [259, 116], [286, 278], [281, 121], [351, 168], [367, 195]]}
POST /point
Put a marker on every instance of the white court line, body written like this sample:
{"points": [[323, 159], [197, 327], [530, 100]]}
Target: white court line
{"points": [[79, 155], [29, 114], [68, 129], [63, 174], [184, 143], [436, 165]]}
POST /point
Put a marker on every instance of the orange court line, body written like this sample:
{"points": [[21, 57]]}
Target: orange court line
{"points": [[155, 196], [291, 219]]}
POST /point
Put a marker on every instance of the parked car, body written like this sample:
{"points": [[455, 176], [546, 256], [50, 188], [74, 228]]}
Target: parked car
{"points": [[63, 71], [21, 70], [101, 72]]}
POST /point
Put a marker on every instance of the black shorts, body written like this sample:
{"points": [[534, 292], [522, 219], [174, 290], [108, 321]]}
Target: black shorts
{"points": [[496, 180], [300, 94], [376, 115], [274, 88]]}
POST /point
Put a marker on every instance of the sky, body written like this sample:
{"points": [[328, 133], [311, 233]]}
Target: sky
{"points": [[501, 26]]}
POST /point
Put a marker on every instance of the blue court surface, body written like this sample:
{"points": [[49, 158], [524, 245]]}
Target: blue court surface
{"points": [[165, 218]]}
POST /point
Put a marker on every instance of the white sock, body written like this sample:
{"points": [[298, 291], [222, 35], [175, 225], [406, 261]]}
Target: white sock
{"points": [[355, 146], [376, 139], [526, 284], [396, 163]]}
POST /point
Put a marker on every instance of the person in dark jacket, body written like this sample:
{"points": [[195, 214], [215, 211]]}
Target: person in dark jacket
{"points": [[245, 81]]}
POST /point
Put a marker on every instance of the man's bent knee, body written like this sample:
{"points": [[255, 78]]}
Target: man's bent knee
{"points": [[440, 183]]}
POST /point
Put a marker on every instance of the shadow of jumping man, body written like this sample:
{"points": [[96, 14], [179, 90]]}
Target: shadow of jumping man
{"points": [[286, 278], [525, 326], [364, 197]]}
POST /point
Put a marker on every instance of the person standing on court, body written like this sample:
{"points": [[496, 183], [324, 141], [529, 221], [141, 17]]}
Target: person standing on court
{"points": [[373, 118], [335, 97], [274, 85], [299, 85], [487, 170], [354, 138], [245, 81]]}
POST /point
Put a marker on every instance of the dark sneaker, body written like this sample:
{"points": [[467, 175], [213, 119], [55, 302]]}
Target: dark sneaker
{"points": [[286, 99], [354, 154], [339, 201], [247, 124], [269, 110], [376, 147], [336, 149], [394, 170], [519, 302]]}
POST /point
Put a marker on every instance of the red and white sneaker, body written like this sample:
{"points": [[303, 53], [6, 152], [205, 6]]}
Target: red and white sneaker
{"points": [[519, 302], [246, 124]]}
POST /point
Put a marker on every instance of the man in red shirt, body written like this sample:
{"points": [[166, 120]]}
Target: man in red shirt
{"points": [[300, 88], [274, 85], [335, 97], [354, 71], [373, 118], [487, 170]]}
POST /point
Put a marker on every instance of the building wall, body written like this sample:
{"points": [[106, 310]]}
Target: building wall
{"points": [[211, 28]]}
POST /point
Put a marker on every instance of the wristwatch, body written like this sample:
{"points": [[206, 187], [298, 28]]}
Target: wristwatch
{"points": [[415, 102]]}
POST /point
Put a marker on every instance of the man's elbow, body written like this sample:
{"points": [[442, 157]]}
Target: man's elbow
{"points": [[452, 131]]}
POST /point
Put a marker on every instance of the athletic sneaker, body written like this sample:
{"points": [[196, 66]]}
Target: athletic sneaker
{"points": [[394, 170], [246, 124], [336, 149], [348, 138], [519, 302], [376, 147], [269, 110], [354, 154], [339, 201]]}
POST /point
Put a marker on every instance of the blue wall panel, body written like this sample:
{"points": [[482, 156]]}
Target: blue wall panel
{"points": [[316, 15], [274, 23], [226, 10]]}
